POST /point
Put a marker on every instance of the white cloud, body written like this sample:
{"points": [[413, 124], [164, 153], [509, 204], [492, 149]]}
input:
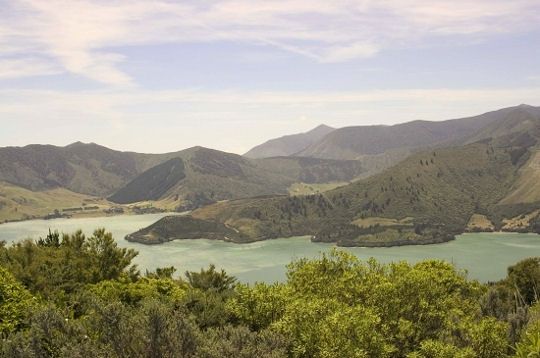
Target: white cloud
{"points": [[25, 67], [80, 34], [349, 52]]}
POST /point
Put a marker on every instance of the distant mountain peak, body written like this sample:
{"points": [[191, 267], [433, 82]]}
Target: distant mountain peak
{"points": [[82, 144], [201, 149], [195, 148], [289, 144], [321, 128]]}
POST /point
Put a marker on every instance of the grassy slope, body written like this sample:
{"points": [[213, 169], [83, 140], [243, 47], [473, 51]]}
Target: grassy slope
{"points": [[526, 188], [17, 203], [309, 189]]}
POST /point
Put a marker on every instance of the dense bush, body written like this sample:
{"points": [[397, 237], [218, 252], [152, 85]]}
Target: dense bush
{"points": [[15, 302], [74, 296]]}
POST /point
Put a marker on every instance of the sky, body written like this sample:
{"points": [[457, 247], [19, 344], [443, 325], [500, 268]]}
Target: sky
{"points": [[160, 76]]}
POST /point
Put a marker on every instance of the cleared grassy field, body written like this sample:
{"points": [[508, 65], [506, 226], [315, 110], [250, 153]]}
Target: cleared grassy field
{"points": [[519, 222], [308, 189], [480, 222], [17, 203], [373, 221]]}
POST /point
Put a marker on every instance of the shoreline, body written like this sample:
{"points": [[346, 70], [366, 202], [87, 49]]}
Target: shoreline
{"points": [[147, 236], [89, 216]]}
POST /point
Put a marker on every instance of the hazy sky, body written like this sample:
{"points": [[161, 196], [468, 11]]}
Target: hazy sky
{"points": [[156, 76]]}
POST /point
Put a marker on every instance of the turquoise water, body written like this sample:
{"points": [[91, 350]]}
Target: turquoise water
{"points": [[485, 256]]}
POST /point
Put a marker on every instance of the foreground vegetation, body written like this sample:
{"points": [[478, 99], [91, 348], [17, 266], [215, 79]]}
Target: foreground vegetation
{"points": [[78, 296]]}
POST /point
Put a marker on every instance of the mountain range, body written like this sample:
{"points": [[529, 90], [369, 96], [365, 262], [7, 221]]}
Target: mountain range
{"points": [[470, 174], [411, 183], [379, 147], [91, 175]]}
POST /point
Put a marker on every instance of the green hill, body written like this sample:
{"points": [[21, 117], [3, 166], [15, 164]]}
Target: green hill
{"points": [[18, 203]]}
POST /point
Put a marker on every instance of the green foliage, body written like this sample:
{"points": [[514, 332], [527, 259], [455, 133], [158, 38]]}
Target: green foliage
{"points": [[56, 267], [15, 303], [210, 280], [386, 309], [525, 277], [529, 346], [437, 349], [207, 299], [162, 272], [260, 305], [503, 302], [488, 338], [51, 240], [327, 328], [108, 260], [153, 329], [240, 342], [209, 308], [132, 293]]}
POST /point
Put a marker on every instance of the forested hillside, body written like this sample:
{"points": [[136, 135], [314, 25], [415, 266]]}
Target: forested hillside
{"points": [[81, 296]]}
